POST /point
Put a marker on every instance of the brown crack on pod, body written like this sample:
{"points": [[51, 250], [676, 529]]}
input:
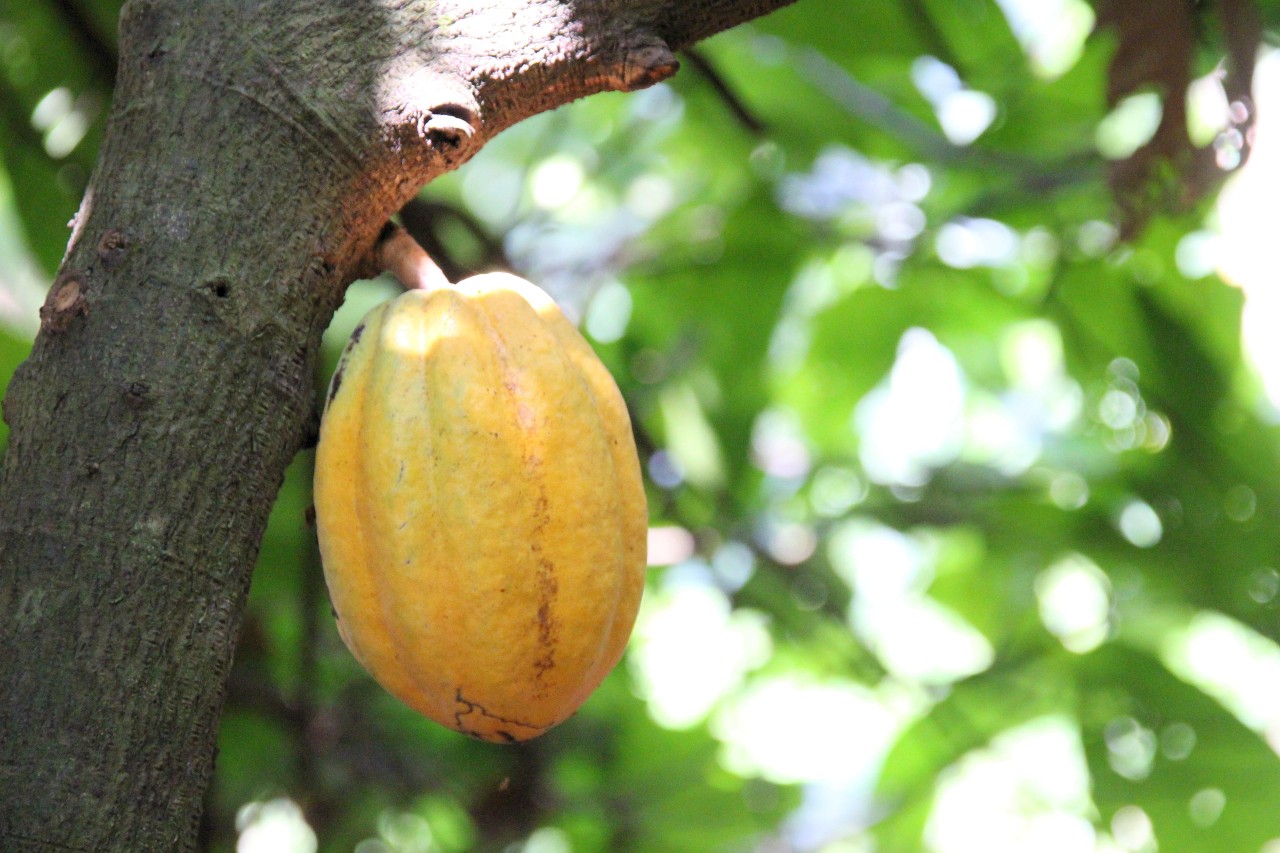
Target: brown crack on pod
{"points": [[521, 730], [65, 302]]}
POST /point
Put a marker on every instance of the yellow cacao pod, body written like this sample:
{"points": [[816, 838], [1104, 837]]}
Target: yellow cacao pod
{"points": [[480, 509]]}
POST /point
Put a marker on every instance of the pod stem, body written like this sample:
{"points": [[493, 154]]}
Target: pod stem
{"points": [[401, 256]]}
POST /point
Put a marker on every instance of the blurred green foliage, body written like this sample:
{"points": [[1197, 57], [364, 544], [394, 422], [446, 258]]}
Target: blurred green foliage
{"points": [[963, 504]]}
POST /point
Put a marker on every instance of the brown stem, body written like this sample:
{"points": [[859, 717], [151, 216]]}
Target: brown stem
{"points": [[401, 256], [423, 218]]}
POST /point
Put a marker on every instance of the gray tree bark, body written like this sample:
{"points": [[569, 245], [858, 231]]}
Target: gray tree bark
{"points": [[254, 150]]}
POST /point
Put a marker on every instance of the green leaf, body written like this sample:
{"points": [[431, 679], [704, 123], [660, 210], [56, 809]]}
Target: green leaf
{"points": [[973, 712], [1218, 796]]}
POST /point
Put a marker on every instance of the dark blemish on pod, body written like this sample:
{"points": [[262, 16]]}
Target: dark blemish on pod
{"points": [[335, 384]]}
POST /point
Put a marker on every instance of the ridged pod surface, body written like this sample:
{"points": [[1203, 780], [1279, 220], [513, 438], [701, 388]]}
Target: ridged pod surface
{"points": [[480, 508]]}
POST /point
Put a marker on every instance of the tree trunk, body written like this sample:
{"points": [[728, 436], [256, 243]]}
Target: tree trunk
{"points": [[253, 152]]}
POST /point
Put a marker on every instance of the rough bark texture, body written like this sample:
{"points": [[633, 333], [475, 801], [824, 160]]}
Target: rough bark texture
{"points": [[254, 150]]}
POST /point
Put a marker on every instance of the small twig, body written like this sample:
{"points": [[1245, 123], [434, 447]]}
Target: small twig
{"points": [[868, 105], [83, 30], [399, 254], [421, 217], [731, 99], [934, 40]]}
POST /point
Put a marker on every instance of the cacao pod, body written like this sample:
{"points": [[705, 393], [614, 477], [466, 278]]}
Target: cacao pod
{"points": [[480, 508]]}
